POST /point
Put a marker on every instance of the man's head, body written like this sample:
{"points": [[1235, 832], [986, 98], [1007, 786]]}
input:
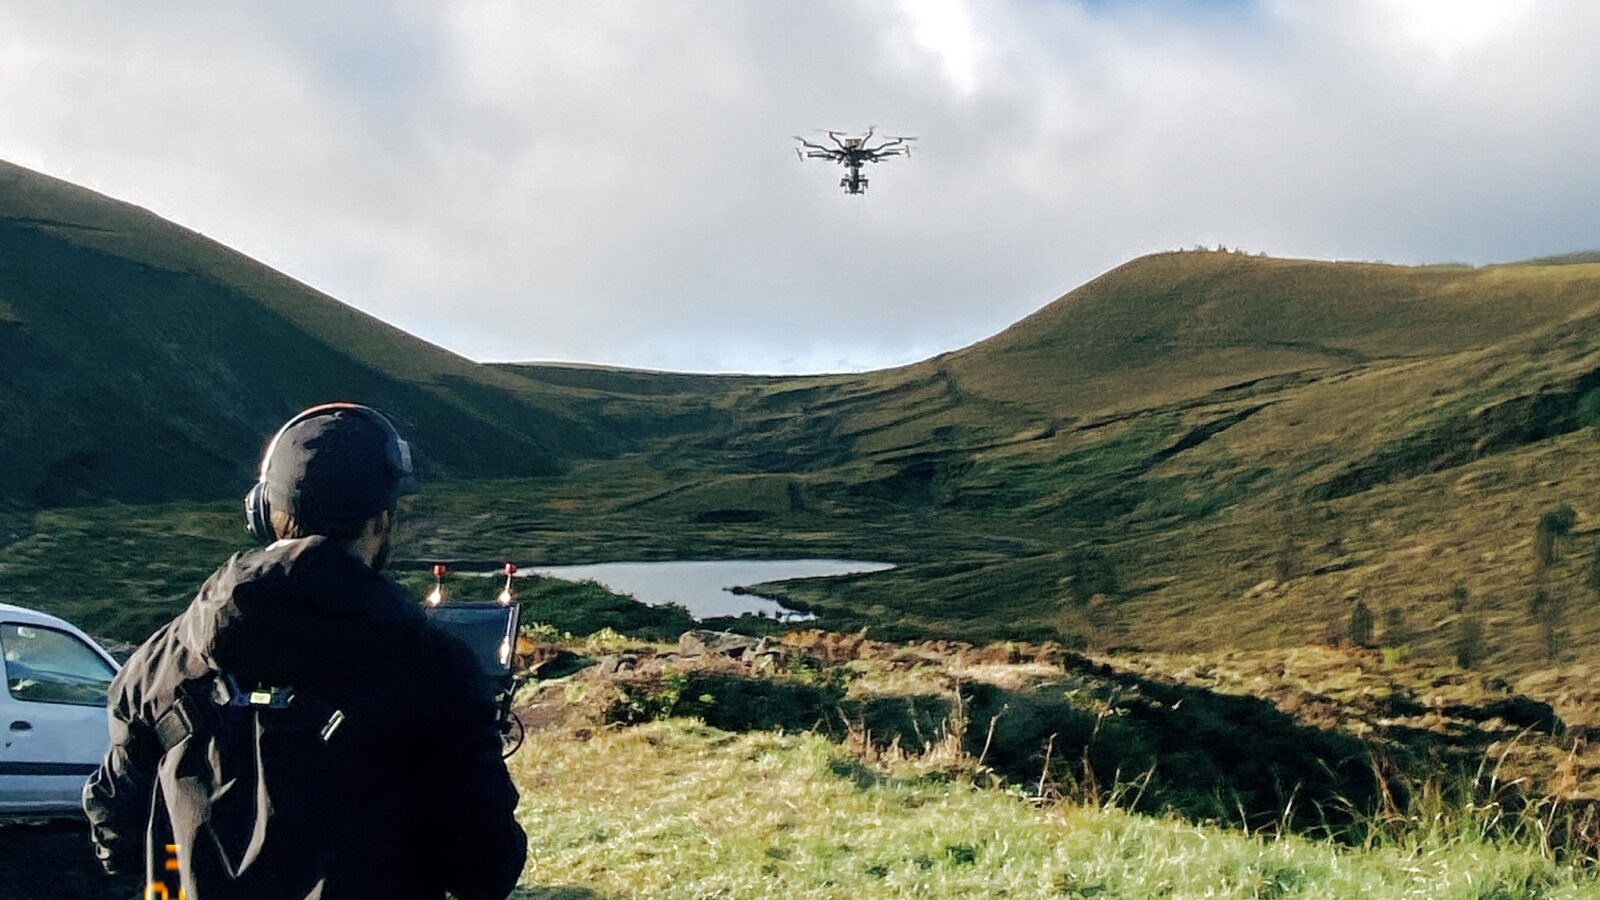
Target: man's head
{"points": [[334, 470]]}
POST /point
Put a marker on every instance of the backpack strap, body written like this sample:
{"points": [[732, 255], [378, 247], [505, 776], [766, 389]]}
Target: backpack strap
{"points": [[192, 711], [198, 706]]}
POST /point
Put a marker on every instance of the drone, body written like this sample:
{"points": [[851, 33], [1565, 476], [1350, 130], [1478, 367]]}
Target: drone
{"points": [[852, 152]]}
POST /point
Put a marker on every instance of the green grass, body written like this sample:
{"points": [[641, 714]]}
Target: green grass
{"points": [[119, 571], [678, 809]]}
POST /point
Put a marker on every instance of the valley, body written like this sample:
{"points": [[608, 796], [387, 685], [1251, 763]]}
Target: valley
{"points": [[1357, 504]]}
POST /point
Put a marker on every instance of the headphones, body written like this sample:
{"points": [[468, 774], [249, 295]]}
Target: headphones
{"points": [[258, 513]]}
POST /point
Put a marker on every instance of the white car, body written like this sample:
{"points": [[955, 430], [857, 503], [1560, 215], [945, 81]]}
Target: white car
{"points": [[52, 712]]}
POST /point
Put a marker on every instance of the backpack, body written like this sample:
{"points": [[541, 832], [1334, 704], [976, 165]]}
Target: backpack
{"points": [[236, 795]]}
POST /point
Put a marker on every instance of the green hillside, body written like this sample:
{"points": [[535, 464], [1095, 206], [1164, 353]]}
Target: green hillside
{"points": [[1201, 469], [1194, 451], [1197, 450], [145, 362]]}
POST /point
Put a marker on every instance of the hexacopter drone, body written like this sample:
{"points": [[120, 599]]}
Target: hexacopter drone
{"points": [[852, 152]]}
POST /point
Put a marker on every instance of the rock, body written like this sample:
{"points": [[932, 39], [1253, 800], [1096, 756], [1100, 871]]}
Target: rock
{"points": [[618, 662], [703, 642], [553, 662], [765, 656], [1264, 587], [1340, 564]]}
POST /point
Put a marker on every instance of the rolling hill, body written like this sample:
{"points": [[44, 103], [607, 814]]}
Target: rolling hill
{"points": [[1195, 450], [1192, 468], [145, 362]]}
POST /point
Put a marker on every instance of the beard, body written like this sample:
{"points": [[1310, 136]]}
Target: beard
{"points": [[381, 558]]}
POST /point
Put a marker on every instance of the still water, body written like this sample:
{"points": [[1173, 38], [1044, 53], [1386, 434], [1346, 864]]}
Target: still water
{"points": [[702, 586]]}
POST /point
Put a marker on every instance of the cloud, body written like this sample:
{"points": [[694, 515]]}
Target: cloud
{"points": [[613, 182]]}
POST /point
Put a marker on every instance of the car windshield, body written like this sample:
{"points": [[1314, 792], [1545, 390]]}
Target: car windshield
{"points": [[46, 665]]}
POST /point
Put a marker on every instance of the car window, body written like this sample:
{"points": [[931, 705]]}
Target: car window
{"points": [[46, 665]]}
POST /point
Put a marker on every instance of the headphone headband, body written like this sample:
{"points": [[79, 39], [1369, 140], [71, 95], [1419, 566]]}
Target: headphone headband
{"points": [[258, 519], [327, 409]]}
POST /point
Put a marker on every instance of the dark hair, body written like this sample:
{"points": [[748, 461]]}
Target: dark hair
{"points": [[290, 528]]}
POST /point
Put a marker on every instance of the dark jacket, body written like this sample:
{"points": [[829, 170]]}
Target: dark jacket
{"points": [[405, 797]]}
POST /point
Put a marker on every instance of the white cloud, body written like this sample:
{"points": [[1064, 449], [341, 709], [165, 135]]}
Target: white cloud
{"points": [[611, 181]]}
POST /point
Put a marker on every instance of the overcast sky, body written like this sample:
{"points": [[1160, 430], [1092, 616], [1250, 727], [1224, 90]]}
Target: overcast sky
{"points": [[614, 182]]}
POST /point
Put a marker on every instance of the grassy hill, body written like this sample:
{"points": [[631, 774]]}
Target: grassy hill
{"points": [[1196, 450], [146, 362], [1192, 467]]}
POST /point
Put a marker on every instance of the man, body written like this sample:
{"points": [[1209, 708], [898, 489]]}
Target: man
{"points": [[300, 731]]}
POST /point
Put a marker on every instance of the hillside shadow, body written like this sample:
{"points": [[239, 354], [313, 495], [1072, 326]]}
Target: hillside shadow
{"points": [[1207, 756], [1159, 747]]}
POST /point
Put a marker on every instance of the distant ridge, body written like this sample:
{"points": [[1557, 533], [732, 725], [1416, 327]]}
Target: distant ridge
{"points": [[1577, 257]]}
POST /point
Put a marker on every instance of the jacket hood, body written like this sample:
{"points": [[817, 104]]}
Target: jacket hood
{"points": [[298, 608]]}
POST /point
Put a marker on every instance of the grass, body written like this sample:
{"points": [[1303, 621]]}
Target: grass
{"points": [[119, 571], [1325, 743], [679, 809]]}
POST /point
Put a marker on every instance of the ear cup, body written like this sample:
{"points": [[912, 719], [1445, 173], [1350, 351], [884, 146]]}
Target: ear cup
{"points": [[257, 517]]}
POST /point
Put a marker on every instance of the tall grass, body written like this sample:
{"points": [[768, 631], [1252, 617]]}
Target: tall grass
{"points": [[677, 809]]}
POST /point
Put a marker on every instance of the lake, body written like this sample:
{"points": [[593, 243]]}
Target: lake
{"points": [[701, 586]]}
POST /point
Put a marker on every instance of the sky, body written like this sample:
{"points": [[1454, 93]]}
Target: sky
{"points": [[615, 182]]}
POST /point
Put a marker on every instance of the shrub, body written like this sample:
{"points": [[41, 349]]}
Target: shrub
{"points": [[647, 701], [1468, 645], [1548, 612], [1554, 528], [1589, 409], [1361, 625], [1395, 630]]}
